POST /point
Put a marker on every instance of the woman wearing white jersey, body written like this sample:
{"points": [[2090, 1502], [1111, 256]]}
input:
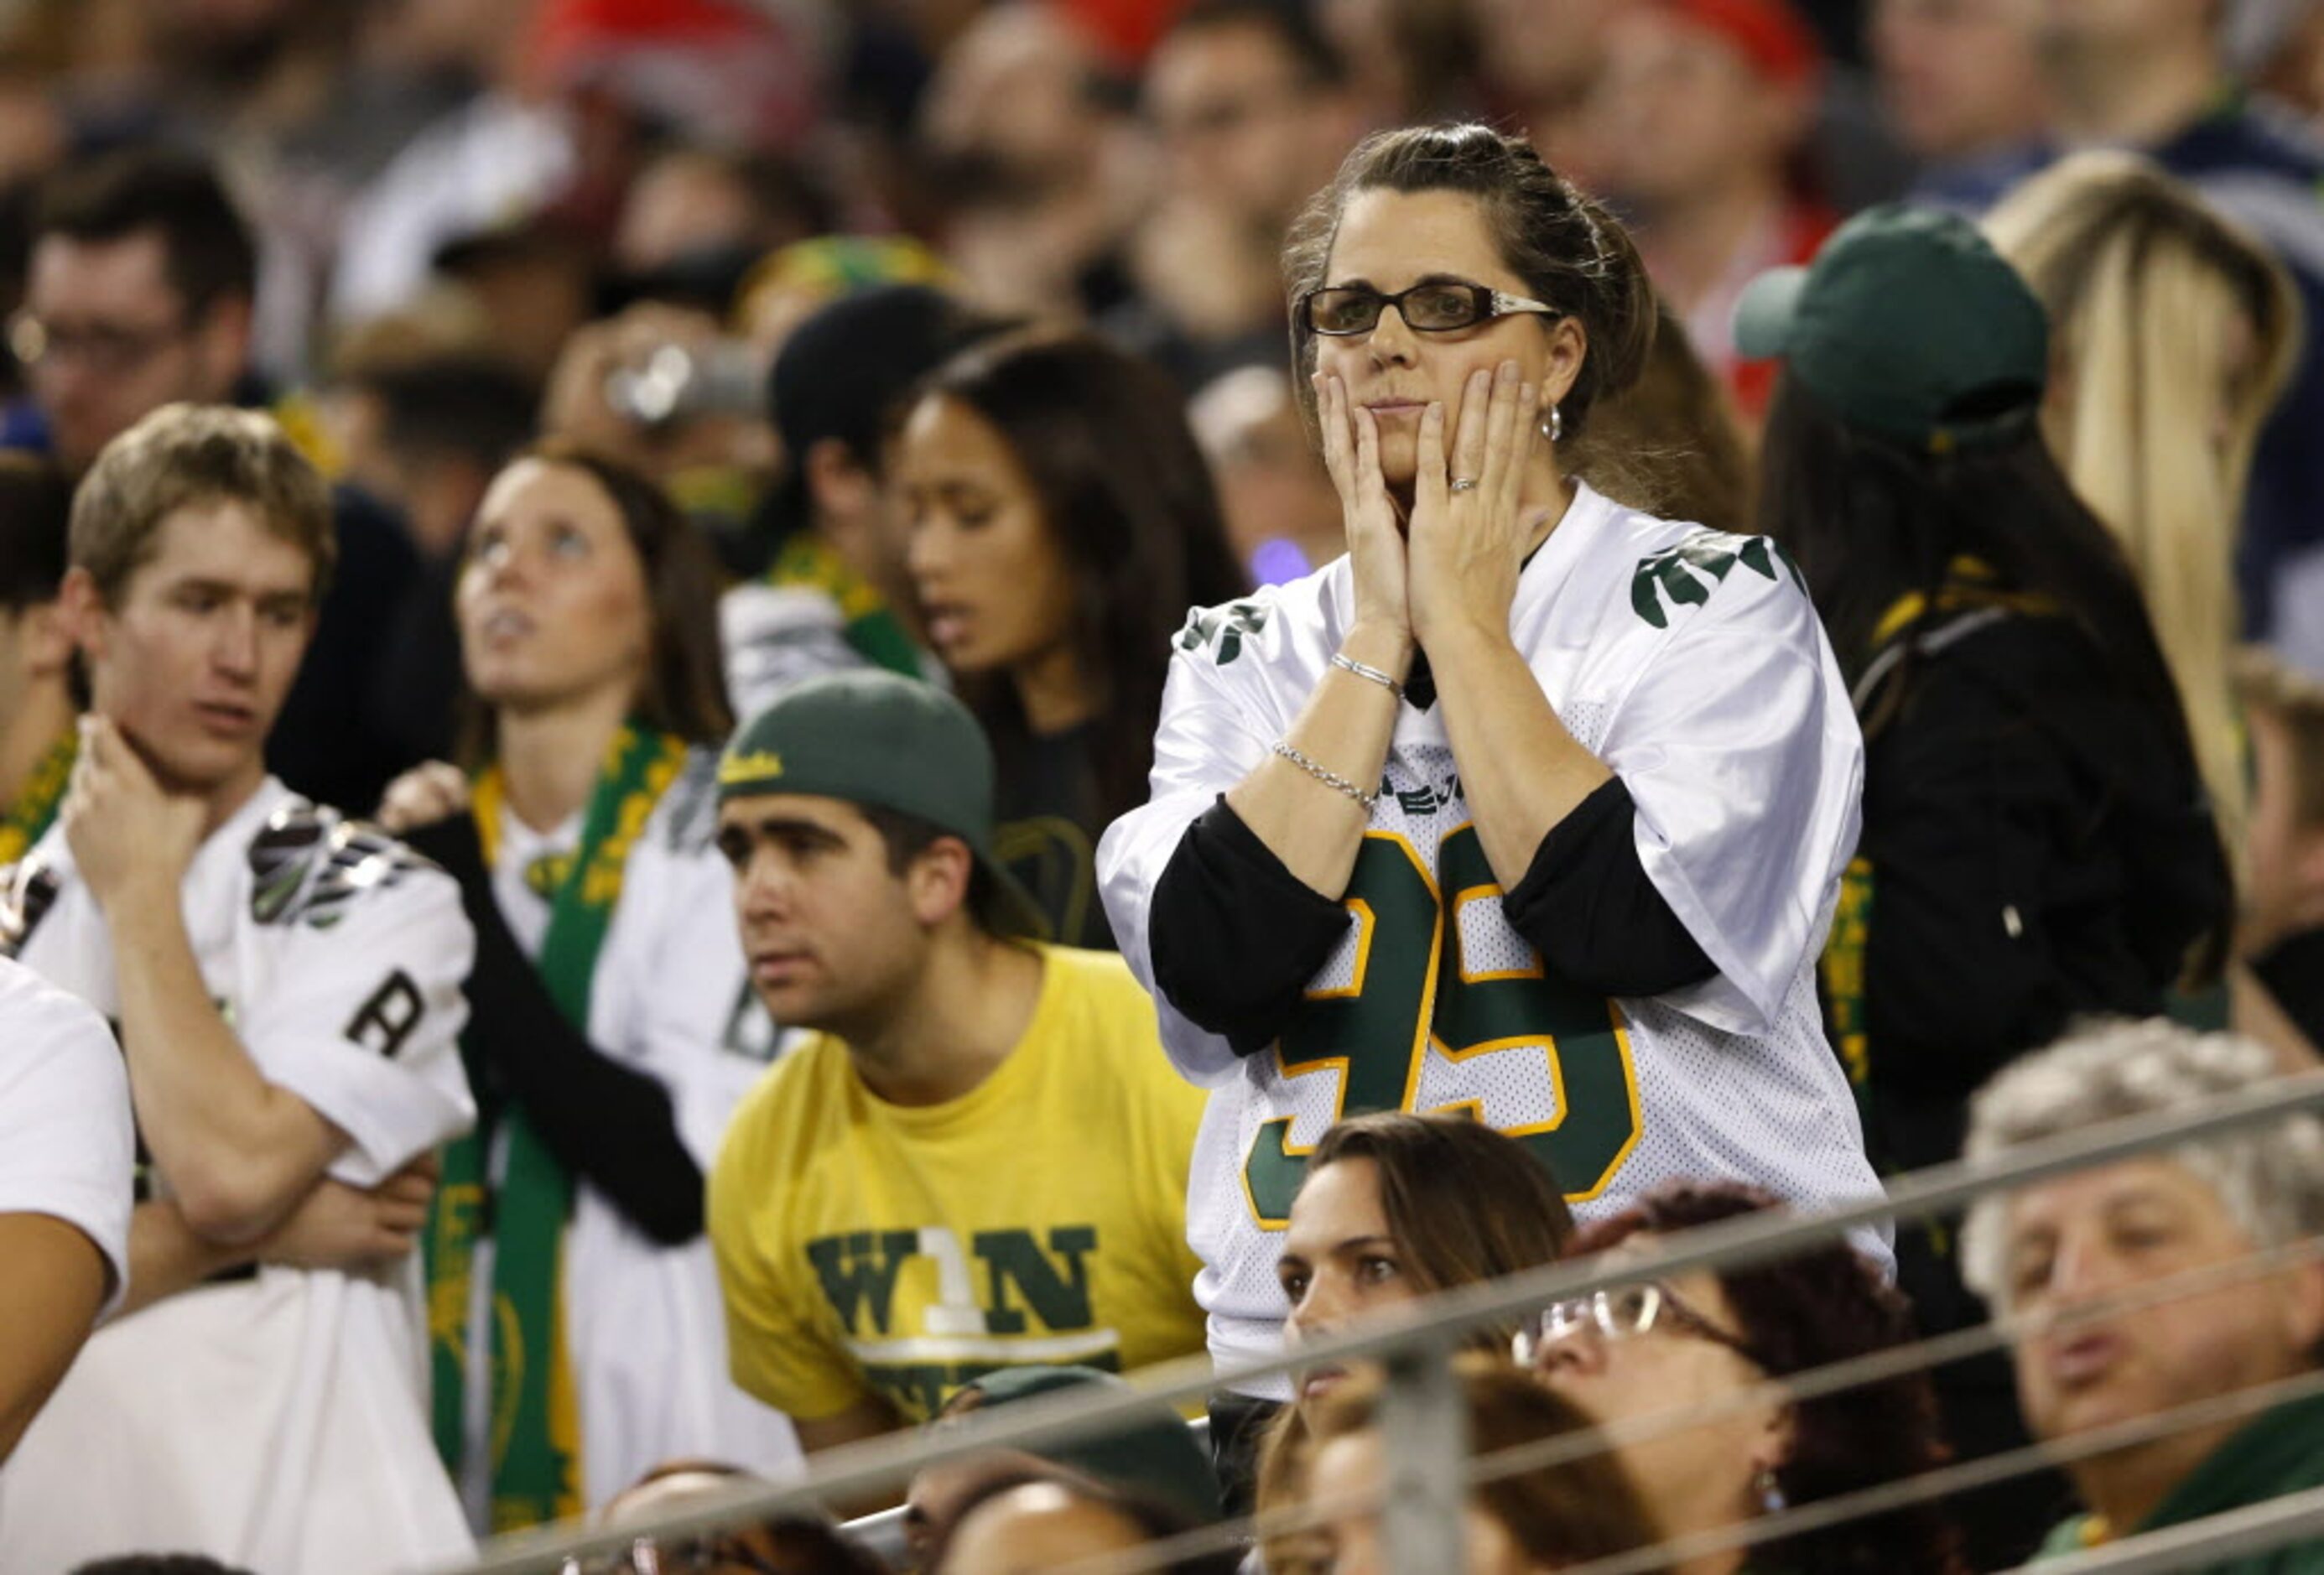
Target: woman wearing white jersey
{"points": [[612, 1029], [1531, 807]]}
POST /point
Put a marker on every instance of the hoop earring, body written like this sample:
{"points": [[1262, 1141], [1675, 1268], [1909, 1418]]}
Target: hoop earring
{"points": [[1553, 426]]}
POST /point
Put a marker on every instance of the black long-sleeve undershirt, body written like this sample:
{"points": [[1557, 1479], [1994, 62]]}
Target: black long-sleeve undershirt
{"points": [[1235, 936], [605, 1122]]}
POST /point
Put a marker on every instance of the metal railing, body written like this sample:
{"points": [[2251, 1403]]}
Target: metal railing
{"points": [[1423, 1422]]}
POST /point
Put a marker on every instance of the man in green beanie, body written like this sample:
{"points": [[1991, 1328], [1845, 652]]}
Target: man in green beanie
{"points": [[978, 1159]]}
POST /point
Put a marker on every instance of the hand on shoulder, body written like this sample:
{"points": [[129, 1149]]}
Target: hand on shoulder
{"points": [[424, 794]]}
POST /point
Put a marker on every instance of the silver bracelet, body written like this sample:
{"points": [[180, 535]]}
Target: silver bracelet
{"points": [[1329, 778], [1350, 664]]}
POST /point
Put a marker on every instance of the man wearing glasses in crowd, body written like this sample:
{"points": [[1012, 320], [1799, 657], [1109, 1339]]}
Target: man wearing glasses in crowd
{"points": [[140, 293]]}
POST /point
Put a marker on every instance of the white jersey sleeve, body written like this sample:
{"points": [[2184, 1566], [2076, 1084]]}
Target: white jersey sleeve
{"points": [[1213, 734], [1740, 750], [361, 1015], [66, 1147]]}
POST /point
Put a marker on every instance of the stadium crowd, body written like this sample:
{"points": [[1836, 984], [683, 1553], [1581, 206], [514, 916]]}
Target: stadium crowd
{"points": [[1004, 689]]}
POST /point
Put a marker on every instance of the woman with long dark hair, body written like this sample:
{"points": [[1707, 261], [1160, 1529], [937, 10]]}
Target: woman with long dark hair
{"points": [[1061, 520], [2036, 841], [1394, 1206], [611, 1025]]}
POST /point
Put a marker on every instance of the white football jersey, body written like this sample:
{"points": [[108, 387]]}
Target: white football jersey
{"points": [[68, 1149], [278, 1421], [1690, 662], [671, 997]]}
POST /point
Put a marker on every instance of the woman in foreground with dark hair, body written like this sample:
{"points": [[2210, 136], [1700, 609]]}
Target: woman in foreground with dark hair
{"points": [[1061, 520], [2036, 845], [611, 1028], [1394, 1206], [1695, 1337]]}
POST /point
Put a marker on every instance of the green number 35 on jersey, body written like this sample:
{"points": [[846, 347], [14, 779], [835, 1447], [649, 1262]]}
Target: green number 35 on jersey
{"points": [[1412, 997]]}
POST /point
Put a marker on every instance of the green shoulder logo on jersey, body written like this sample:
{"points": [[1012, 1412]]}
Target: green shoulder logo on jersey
{"points": [[1686, 572], [310, 863], [1223, 626]]}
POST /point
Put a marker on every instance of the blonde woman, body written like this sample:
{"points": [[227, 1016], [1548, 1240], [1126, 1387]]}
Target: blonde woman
{"points": [[2173, 333]]}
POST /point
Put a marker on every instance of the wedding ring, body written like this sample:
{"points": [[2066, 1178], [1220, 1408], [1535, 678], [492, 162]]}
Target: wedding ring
{"points": [[1464, 484]]}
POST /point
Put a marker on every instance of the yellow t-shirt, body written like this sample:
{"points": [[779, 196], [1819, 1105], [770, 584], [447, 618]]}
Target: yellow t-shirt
{"points": [[866, 1248]]}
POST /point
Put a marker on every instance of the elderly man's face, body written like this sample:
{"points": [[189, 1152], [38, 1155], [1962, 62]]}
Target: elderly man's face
{"points": [[2103, 1233]]}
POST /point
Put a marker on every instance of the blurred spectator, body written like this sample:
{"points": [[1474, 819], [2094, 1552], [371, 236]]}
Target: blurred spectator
{"points": [[1665, 1345], [2282, 930], [785, 289], [696, 201], [535, 281], [1542, 60], [1251, 113], [1394, 1208], [568, 98], [1035, 165], [425, 439], [1520, 1523], [2173, 334], [2152, 78], [287, 988], [1961, 79], [726, 73], [835, 593], [68, 1154], [2056, 1251], [612, 1029], [1155, 1456], [2033, 817], [1061, 522], [424, 436], [1058, 1521], [663, 387], [979, 1158], [503, 150], [38, 738], [1670, 444], [785, 1545], [1707, 107], [140, 295], [1407, 60], [1282, 515]]}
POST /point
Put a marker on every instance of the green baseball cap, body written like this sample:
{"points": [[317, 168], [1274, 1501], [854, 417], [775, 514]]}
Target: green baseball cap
{"points": [[878, 739], [1909, 325]]}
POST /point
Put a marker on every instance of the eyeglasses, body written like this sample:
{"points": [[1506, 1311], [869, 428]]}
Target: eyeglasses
{"points": [[1618, 1314], [693, 1556], [104, 348], [1426, 309]]}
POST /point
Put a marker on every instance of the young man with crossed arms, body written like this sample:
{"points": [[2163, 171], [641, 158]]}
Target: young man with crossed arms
{"points": [[286, 988]]}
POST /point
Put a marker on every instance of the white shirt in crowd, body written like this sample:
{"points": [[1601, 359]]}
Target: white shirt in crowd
{"points": [[671, 997], [279, 1421], [1692, 664], [67, 1146]]}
